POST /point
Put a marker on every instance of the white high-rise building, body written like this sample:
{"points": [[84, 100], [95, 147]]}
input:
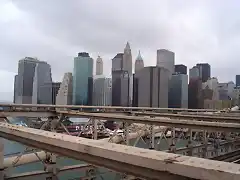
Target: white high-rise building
{"points": [[127, 66], [166, 59], [139, 63], [64, 96], [102, 91], [127, 59], [99, 66]]}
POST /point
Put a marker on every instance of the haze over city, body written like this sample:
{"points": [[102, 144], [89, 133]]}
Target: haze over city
{"points": [[54, 31]]}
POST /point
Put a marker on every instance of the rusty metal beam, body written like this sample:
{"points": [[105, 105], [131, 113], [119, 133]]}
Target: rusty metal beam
{"points": [[211, 126], [139, 162]]}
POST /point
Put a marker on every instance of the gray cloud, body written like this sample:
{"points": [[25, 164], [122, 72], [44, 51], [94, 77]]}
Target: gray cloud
{"points": [[197, 31]]}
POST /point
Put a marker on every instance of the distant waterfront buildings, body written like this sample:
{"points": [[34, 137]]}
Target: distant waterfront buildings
{"points": [[178, 91], [42, 84], [180, 69], [166, 59], [102, 91], [82, 79], [151, 87], [64, 95]]}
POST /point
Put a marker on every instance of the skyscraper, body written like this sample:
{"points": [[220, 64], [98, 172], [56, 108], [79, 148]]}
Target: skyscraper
{"points": [[180, 69], [120, 88], [42, 94], [127, 59], [237, 80], [152, 87], [195, 100], [178, 91], [166, 59], [64, 95], [55, 89], [82, 77], [194, 73], [117, 62], [139, 63], [127, 66], [99, 66], [204, 71], [102, 91], [26, 72], [15, 89]]}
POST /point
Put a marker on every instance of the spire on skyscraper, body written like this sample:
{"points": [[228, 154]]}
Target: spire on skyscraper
{"points": [[139, 64], [139, 57], [127, 45]]}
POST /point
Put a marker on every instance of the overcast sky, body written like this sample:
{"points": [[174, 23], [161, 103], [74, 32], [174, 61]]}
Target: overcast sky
{"points": [[55, 30]]}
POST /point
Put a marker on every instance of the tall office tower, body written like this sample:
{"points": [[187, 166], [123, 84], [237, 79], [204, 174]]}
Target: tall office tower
{"points": [[180, 69], [195, 100], [178, 91], [127, 66], [82, 79], [55, 89], [135, 91], [212, 84], [26, 72], [237, 80], [102, 91], [117, 62], [64, 95], [166, 59], [152, 87], [139, 63], [120, 82], [127, 59], [15, 89], [42, 94], [194, 73], [120, 88], [99, 66], [204, 71]]}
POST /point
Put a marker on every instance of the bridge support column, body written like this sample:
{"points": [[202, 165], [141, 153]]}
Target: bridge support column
{"points": [[173, 141], [50, 166], [126, 132], [190, 145], [152, 138], [205, 143], [1, 159], [95, 126]]}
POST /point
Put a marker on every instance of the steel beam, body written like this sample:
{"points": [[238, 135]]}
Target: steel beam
{"points": [[215, 118], [43, 114], [35, 157], [139, 162], [47, 106], [44, 174], [193, 124]]}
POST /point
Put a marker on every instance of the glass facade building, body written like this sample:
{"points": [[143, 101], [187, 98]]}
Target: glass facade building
{"points": [[82, 79], [42, 84], [24, 82]]}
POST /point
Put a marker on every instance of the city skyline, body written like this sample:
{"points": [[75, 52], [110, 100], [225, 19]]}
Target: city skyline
{"points": [[180, 35]]}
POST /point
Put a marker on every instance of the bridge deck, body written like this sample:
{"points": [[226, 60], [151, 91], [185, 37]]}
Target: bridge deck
{"points": [[160, 121], [136, 161]]}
